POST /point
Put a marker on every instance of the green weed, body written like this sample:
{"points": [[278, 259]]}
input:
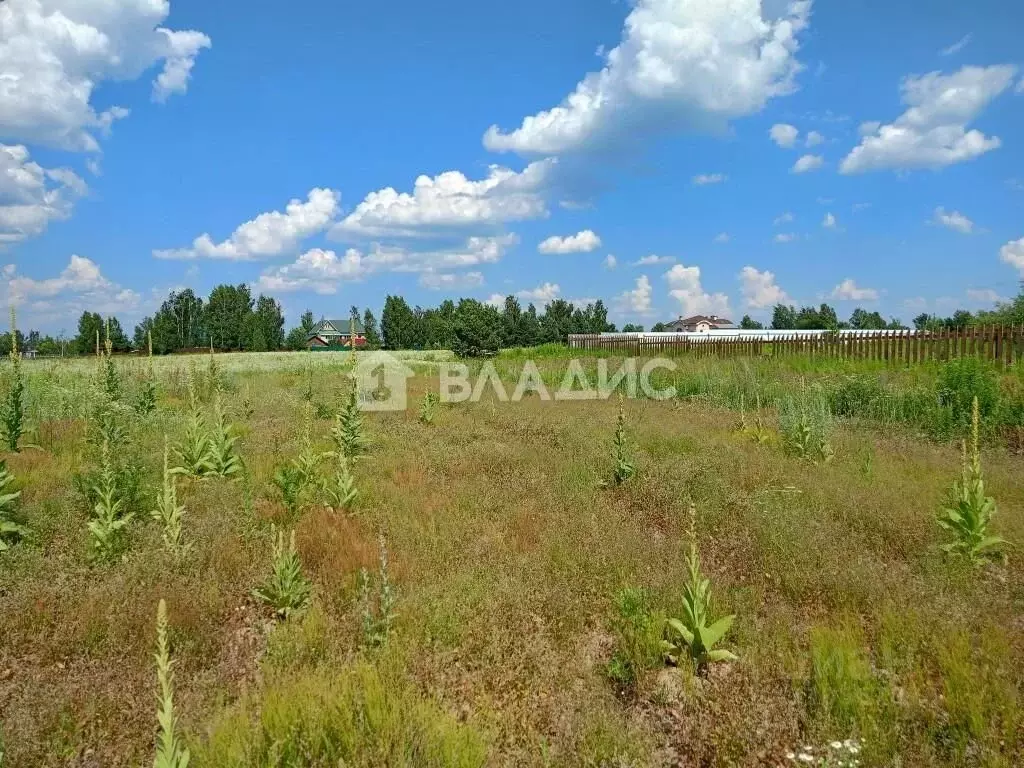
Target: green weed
{"points": [[10, 531], [637, 630], [109, 518], [287, 590], [170, 753], [968, 512], [695, 634], [168, 512]]}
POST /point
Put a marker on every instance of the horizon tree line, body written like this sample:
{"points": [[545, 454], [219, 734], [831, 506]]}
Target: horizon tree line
{"points": [[230, 319]]}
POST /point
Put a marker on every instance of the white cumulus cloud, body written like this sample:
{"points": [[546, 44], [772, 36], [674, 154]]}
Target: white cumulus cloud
{"points": [[322, 271], [685, 287], [450, 201], [269, 234], [848, 290], [451, 281], [1013, 254], [680, 64], [638, 300], [783, 218], [54, 54], [807, 163], [81, 284], [653, 260], [610, 262], [721, 237], [785, 237], [953, 220], [814, 139], [829, 222], [542, 294], [581, 242], [760, 290], [984, 296], [932, 132], [784, 135], [32, 196], [709, 178]]}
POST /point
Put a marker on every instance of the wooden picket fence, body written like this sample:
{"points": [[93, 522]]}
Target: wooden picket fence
{"points": [[1000, 343]]}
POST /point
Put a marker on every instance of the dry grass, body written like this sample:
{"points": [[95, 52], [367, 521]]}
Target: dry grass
{"points": [[506, 553]]}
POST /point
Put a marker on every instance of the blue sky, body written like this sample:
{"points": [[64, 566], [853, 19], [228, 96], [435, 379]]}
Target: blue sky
{"points": [[673, 156]]}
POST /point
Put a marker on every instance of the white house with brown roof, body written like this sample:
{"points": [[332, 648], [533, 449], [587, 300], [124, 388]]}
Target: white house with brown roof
{"points": [[700, 324]]}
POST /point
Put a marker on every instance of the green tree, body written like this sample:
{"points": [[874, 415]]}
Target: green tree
{"points": [[370, 330], [438, 326], [1005, 312], [531, 334], [5, 342], [598, 315], [477, 328], [783, 317], [557, 321], [227, 315], [48, 346], [961, 319], [297, 336], [926, 322], [139, 337], [861, 320], [89, 325], [820, 318], [750, 324], [631, 328], [118, 338], [512, 323], [398, 324], [266, 325], [658, 328]]}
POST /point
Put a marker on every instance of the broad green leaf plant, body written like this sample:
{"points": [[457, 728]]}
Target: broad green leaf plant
{"points": [[195, 451], [968, 512], [109, 518], [10, 531], [695, 635], [347, 433], [287, 590]]}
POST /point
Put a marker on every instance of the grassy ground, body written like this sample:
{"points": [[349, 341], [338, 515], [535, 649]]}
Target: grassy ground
{"points": [[508, 556]]}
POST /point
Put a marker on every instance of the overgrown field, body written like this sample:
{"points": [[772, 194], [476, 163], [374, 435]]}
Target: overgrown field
{"points": [[532, 583]]}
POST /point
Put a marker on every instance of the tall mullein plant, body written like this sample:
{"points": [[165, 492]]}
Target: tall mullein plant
{"points": [[167, 511], [694, 634], [12, 415], [146, 402], [170, 752], [968, 513], [195, 451], [109, 518], [287, 590], [224, 459], [347, 433], [624, 468], [110, 377]]}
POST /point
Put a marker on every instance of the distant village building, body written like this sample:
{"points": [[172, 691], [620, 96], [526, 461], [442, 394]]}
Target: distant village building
{"points": [[335, 333], [699, 324]]}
